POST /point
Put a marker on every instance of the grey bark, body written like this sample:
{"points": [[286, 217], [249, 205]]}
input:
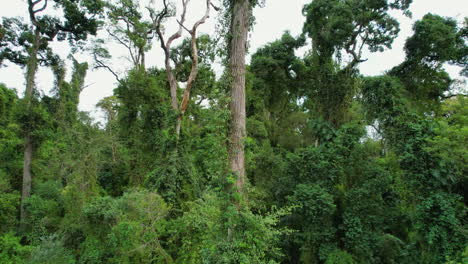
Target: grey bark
{"points": [[28, 143], [241, 12]]}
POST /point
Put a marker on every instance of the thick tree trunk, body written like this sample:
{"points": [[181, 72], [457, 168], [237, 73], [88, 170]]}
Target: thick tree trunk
{"points": [[28, 144], [241, 12]]}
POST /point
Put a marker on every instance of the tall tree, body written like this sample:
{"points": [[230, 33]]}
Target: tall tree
{"points": [[78, 20], [241, 12], [340, 30], [436, 41]]}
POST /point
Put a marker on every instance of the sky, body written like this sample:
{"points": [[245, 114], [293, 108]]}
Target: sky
{"points": [[275, 17]]}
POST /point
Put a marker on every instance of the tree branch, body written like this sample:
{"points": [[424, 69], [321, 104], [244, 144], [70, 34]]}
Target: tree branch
{"points": [[351, 46], [215, 7], [101, 64], [178, 34], [182, 25], [453, 95], [124, 44], [166, 46], [32, 16], [86, 86], [194, 69], [157, 20], [42, 8]]}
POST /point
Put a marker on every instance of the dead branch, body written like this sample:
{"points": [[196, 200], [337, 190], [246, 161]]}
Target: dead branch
{"points": [[166, 46], [194, 69], [40, 9], [101, 64]]}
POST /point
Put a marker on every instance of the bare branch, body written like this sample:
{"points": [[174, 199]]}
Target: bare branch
{"points": [[42, 8], [101, 64], [32, 15], [204, 18], [166, 46], [364, 39], [453, 95], [194, 69], [215, 7], [86, 86], [202, 98], [178, 34], [126, 45], [356, 56], [118, 39], [182, 25]]}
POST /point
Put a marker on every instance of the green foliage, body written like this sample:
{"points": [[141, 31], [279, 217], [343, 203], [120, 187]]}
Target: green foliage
{"points": [[101, 214], [127, 26], [11, 251], [315, 210], [10, 160], [439, 222], [17, 38], [45, 210], [335, 25], [339, 257], [9, 202], [451, 135], [79, 19], [125, 229], [214, 231], [344, 26], [382, 98], [145, 119], [463, 259], [277, 75], [437, 40], [342, 168], [69, 92], [51, 251], [8, 99]]}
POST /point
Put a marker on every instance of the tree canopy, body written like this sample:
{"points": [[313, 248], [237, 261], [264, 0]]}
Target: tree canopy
{"points": [[283, 158]]}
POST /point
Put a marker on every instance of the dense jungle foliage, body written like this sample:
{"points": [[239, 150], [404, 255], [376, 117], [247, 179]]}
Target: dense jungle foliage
{"points": [[341, 167]]}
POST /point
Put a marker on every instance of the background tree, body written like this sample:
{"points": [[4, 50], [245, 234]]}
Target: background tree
{"points": [[340, 30], [77, 23]]}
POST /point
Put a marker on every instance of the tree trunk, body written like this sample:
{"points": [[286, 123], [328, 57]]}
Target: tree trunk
{"points": [[28, 144], [241, 12], [178, 125], [166, 46]]}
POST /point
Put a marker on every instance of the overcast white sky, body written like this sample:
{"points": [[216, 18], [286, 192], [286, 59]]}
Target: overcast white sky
{"points": [[271, 21]]}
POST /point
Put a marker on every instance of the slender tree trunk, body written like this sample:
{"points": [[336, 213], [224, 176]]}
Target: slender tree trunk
{"points": [[27, 179], [178, 125], [28, 144], [166, 46], [241, 12]]}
